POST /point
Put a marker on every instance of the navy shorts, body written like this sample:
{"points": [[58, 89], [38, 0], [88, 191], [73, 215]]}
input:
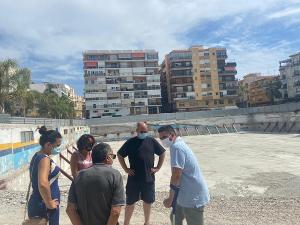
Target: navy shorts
{"points": [[137, 190]]}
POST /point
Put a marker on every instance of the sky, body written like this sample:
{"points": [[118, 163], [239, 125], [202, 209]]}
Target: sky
{"points": [[49, 37]]}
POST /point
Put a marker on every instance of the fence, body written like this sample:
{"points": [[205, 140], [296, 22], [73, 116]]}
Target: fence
{"points": [[289, 107], [5, 118]]}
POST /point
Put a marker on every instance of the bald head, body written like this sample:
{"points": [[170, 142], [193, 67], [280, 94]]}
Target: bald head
{"points": [[141, 127]]}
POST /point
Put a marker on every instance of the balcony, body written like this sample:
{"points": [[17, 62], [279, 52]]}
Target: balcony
{"points": [[154, 102], [227, 72], [296, 73], [139, 104], [126, 89], [230, 64], [182, 84]]}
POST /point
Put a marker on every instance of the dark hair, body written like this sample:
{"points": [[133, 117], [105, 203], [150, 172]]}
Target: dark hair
{"points": [[86, 141], [48, 136], [100, 151], [166, 128]]}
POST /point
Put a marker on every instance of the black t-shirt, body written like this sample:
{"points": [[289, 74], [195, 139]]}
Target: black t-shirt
{"points": [[95, 190], [140, 153]]}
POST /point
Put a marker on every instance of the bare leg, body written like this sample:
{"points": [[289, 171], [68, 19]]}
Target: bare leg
{"points": [[128, 213], [147, 211]]}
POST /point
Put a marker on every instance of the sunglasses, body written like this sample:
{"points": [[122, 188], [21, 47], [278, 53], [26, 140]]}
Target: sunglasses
{"points": [[164, 137], [113, 156]]}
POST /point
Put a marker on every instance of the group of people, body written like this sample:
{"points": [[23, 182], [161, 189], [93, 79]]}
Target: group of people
{"points": [[97, 193]]}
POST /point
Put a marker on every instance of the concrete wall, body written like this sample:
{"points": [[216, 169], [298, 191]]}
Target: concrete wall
{"points": [[13, 158], [284, 108]]}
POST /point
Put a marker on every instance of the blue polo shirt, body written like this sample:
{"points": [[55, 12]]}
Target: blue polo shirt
{"points": [[193, 188]]}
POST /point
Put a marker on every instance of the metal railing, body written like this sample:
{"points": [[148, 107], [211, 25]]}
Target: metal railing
{"points": [[5, 118]]}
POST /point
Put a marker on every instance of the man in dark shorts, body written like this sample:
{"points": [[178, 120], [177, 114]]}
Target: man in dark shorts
{"points": [[97, 193], [140, 183]]}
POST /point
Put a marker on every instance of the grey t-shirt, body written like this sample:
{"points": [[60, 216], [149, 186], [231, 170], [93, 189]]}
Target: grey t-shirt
{"points": [[95, 190]]}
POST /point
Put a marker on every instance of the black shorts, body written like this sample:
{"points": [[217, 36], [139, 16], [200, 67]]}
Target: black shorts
{"points": [[137, 190]]}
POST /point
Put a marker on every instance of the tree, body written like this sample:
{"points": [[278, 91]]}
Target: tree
{"points": [[273, 90], [8, 70], [51, 105], [21, 94]]}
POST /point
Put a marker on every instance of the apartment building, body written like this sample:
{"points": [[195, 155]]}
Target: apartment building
{"points": [[79, 106], [198, 78], [120, 83], [262, 91], [244, 88], [290, 76]]}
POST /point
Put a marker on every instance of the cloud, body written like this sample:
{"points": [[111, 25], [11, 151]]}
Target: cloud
{"points": [[50, 36], [285, 13]]}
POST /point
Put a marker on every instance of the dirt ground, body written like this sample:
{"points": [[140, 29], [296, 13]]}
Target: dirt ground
{"points": [[252, 178]]}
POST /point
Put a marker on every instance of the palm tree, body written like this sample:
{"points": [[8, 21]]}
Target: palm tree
{"points": [[21, 93], [8, 70]]}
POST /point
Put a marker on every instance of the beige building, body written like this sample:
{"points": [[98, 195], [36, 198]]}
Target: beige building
{"points": [[244, 88], [260, 92], [198, 78], [79, 106]]}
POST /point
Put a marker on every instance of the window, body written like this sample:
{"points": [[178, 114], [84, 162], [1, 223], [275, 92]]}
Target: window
{"points": [[94, 106], [26, 136], [65, 131]]}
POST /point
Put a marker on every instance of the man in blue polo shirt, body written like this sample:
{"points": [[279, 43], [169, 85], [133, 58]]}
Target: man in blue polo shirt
{"points": [[186, 177]]}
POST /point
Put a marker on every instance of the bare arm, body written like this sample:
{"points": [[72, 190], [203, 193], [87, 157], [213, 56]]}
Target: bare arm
{"points": [[114, 215], [159, 164], [73, 164], [175, 180], [161, 160], [44, 185], [73, 214], [124, 166]]}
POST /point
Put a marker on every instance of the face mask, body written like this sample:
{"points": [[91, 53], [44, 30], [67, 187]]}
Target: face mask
{"points": [[89, 147], [55, 151], [166, 143], [142, 135]]}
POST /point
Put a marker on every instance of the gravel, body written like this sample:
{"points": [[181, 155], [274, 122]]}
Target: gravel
{"points": [[220, 211]]}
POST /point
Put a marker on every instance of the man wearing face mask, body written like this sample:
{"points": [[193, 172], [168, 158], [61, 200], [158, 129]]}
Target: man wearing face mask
{"points": [[186, 179], [97, 193], [140, 151]]}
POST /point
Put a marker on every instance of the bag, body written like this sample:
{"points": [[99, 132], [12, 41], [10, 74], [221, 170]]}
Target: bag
{"points": [[35, 221], [32, 221]]}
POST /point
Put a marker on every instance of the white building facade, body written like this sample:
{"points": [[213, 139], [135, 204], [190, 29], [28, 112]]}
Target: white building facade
{"points": [[290, 76], [120, 83]]}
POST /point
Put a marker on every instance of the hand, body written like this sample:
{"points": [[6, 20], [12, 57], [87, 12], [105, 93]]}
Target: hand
{"points": [[168, 202], [154, 170], [130, 172], [53, 204]]}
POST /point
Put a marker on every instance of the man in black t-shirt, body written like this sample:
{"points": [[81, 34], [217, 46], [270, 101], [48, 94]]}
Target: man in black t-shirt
{"points": [[140, 183]]}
